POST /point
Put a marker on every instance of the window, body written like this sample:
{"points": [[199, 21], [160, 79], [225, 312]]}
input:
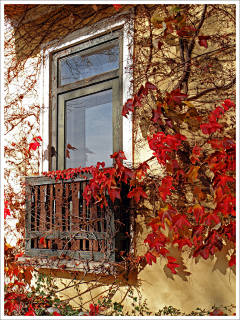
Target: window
{"points": [[86, 102]]}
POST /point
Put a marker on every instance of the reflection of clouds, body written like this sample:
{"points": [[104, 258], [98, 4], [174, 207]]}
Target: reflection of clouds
{"points": [[89, 129], [79, 67], [99, 133]]}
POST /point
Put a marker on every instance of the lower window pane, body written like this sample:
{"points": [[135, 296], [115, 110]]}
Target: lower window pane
{"points": [[89, 132]]}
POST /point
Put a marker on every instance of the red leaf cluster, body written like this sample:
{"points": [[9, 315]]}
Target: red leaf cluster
{"points": [[35, 144], [136, 101]]}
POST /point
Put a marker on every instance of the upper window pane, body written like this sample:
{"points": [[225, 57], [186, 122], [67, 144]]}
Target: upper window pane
{"points": [[84, 65]]}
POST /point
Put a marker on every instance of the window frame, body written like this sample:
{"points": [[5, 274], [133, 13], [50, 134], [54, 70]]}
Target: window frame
{"points": [[122, 20], [84, 87]]}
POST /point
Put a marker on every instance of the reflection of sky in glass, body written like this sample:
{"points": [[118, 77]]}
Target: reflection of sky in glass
{"points": [[79, 66], [89, 130]]}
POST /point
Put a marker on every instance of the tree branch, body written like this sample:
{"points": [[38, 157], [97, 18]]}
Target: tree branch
{"points": [[188, 52], [228, 86]]}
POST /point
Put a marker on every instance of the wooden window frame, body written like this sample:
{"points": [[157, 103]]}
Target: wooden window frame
{"points": [[98, 83]]}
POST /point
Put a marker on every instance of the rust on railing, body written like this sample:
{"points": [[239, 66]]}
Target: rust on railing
{"points": [[58, 213]]}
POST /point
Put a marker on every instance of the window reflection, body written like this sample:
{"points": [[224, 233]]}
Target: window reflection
{"points": [[80, 65], [89, 133]]}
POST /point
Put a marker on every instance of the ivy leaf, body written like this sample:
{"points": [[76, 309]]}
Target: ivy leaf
{"points": [[157, 20], [127, 174], [6, 209], [30, 311], [202, 40], [114, 193], [198, 211], [174, 9], [151, 86], [169, 123], [165, 188], [188, 28], [226, 204], [182, 241], [155, 223], [181, 220], [217, 112], [175, 96], [194, 158], [167, 212], [228, 142], [221, 180], [172, 264], [142, 170], [163, 251], [43, 242], [182, 33], [118, 156], [137, 193], [37, 137], [143, 166], [150, 238], [214, 240], [197, 231], [128, 106], [150, 258], [155, 115], [94, 187], [196, 150], [209, 217], [143, 91], [207, 128], [10, 306], [157, 245], [172, 141], [203, 251], [117, 6], [34, 145], [228, 104]]}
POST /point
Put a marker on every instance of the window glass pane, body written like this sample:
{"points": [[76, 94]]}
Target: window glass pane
{"points": [[89, 132], [82, 65]]}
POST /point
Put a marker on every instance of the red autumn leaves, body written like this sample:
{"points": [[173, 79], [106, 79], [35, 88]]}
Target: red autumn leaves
{"points": [[213, 125], [220, 163], [187, 232], [136, 101], [35, 144], [6, 209]]}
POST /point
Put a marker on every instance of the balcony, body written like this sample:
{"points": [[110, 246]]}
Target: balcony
{"points": [[59, 224]]}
